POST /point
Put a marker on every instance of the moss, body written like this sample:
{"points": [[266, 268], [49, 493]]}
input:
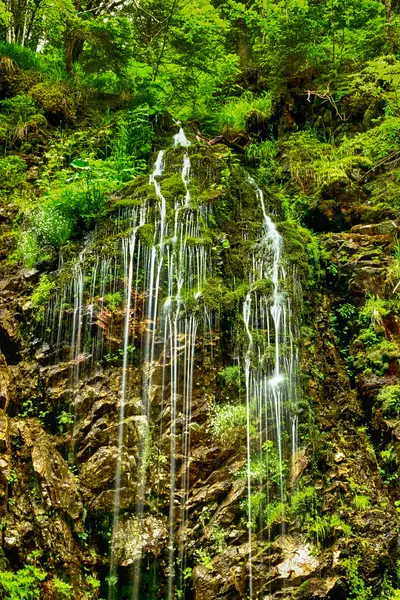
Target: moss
{"points": [[214, 293], [57, 100], [203, 241], [234, 299], [172, 188], [146, 234], [263, 286], [378, 358], [302, 250], [126, 203]]}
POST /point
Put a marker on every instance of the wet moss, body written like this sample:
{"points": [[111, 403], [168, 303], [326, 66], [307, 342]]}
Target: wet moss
{"points": [[172, 188], [214, 293], [126, 203], [263, 286], [146, 234], [58, 101]]}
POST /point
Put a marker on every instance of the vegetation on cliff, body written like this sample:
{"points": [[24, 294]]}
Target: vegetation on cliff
{"points": [[304, 95]]}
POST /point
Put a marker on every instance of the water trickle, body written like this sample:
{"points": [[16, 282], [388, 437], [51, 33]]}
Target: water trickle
{"points": [[161, 318], [270, 382], [180, 139]]}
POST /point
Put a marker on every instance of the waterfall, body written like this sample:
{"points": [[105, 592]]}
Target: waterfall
{"points": [[139, 307], [270, 383]]}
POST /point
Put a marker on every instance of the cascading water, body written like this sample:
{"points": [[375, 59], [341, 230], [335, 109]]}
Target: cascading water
{"points": [[270, 366], [154, 284]]}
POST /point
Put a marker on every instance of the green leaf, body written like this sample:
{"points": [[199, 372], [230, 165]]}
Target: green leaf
{"points": [[80, 163]]}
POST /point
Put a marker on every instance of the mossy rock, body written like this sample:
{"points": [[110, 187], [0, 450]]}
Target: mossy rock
{"points": [[146, 234], [263, 287], [58, 101], [214, 293], [172, 188], [126, 203], [19, 81], [257, 123]]}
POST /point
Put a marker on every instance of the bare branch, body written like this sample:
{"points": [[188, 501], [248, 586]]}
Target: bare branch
{"points": [[326, 96]]}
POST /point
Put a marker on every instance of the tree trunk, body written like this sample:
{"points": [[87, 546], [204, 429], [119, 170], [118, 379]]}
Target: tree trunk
{"points": [[242, 43], [73, 51], [389, 34]]}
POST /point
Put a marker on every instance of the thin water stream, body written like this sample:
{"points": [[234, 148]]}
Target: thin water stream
{"points": [[155, 282]]}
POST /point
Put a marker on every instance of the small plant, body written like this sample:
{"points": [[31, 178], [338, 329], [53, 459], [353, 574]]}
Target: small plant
{"points": [[373, 311], [83, 536], [323, 529], [229, 422], [304, 503], [12, 478], [65, 419], [356, 585], [389, 399], [43, 292], [230, 375], [12, 172], [218, 537], [93, 583], [22, 585], [63, 588], [204, 559], [113, 300], [361, 503]]}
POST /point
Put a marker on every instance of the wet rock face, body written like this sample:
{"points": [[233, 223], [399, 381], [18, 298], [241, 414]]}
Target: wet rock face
{"points": [[59, 448]]}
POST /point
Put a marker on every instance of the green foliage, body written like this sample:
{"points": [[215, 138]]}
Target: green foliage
{"points": [[204, 559], [12, 172], [356, 586], [231, 117], [361, 503], [113, 300], [229, 422], [274, 513], [389, 399], [65, 419], [28, 250], [389, 462], [373, 311], [21, 117], [24, 57], [22, 585], [304, 503], [63, 589], [43, 292], [218, 536], [230, 376], [322, 530]]}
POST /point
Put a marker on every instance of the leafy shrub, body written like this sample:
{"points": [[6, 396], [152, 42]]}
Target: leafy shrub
{"points": [[21, 117], [321, 530], [43, 291], [230, 376], [304, 503], [357, 588], [229, 423], [373, 311], [12, 171], [22, 585], [113, 300], [51, 226], [389, 399], [273, 513], [231, 116]]}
